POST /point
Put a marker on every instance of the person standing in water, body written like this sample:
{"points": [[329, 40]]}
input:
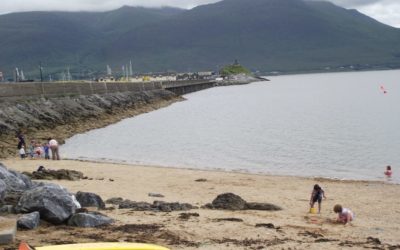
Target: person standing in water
{"points": [[316, 196], [388, 171]]}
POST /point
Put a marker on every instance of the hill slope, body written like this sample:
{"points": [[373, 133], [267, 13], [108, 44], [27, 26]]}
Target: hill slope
{"points": [[265, 35]]}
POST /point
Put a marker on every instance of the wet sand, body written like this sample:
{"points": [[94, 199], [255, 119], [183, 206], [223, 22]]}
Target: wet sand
{"points": [[375, 204]]}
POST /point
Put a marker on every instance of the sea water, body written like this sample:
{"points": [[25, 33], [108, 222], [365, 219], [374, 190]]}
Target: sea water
{"points": [[336, 125]]}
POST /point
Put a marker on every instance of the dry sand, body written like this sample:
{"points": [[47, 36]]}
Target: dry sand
{"points": [[376, 205]]}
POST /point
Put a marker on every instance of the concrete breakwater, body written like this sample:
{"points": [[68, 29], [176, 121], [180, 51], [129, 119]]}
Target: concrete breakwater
{"points": [[65, 116], [60, 110], [17, 91]]}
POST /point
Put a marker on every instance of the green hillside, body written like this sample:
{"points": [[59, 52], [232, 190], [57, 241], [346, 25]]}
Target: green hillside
{"points": [[265, 35], [234, 69]]}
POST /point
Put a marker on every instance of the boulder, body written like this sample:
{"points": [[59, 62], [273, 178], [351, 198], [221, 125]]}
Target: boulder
{"points": [[229, 201], [53, 202], [29, 221], [13, 181], [90, 200], [24, 178], [262, 206], [89, 220]]}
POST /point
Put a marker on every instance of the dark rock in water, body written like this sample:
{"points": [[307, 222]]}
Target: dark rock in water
{"points": [[53, 202], [156, 195], [229, 201], [90, 200], [158, 206], [89, 220], [262, 206], [3, 188], [62, 174], [29, 221], [115, 200], [14, 182]]}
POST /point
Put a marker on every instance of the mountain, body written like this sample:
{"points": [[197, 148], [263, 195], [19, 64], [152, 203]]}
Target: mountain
{"points": [[264, 35], [68, 39]]}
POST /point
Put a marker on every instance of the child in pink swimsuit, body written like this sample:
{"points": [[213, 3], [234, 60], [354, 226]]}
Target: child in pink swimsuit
{"points": [[388, 171]]}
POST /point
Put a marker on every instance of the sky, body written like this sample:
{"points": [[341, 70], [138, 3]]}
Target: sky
{"points": [[385, 11]]}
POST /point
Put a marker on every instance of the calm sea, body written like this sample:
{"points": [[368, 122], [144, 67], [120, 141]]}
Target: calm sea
{"points": [[339, 125]]}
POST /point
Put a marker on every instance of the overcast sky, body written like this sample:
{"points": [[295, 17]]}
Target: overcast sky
{"points": [[386, 11]]}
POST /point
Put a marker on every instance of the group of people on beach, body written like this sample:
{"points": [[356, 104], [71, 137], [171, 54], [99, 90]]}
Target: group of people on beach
{"points": [[37, 150], [345, 215]]}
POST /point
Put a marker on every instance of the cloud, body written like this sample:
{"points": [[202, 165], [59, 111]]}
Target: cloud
{"points": [[388, 13], [91, 5]]}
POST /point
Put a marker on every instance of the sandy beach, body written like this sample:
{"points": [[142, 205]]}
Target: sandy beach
{"points": [[375, 204]]}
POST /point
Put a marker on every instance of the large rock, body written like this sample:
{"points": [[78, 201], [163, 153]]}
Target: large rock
{"points": [[53, 202], [12, 180], [89, 220], [29, 221], [26, 179], [229, 201], [262, 206], [90, 200]]}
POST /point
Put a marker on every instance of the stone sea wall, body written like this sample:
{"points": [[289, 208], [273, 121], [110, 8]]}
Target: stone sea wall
{"points": [[64, 116], [32, 90]]}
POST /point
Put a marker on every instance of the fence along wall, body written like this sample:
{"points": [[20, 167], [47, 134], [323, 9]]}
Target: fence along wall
{"points": [[56, 89]]}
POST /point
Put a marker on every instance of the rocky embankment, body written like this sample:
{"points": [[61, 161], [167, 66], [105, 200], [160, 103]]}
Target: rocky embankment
{"points": [[63, 117]]}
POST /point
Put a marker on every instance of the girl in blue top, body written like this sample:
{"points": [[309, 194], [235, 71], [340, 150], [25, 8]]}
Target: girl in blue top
{"points": [[317, 194]]}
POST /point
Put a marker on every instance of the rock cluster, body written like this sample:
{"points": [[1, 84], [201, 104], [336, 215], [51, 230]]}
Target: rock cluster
{"points": [[46, 201], [61, 174], [156, 206], [230, 201]]}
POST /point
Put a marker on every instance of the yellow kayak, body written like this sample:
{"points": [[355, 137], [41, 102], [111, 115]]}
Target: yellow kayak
{"points": [[104, 246]]}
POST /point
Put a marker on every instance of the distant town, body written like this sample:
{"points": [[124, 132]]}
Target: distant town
{"points": [[126, 74]]}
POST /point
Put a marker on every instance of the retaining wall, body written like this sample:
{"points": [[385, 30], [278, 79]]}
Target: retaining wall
{"points": [[13, 91]]}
